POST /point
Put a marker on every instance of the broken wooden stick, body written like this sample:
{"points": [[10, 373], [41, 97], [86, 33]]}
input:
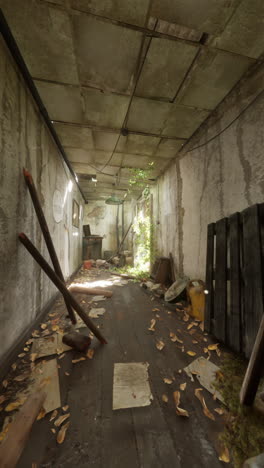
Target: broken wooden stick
{"points": [[254, 370], [91, 291], [60, 285], [15, 441], [45, 231]]}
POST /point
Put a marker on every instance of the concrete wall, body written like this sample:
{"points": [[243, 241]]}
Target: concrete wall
{"points": [[102, 220], [216, 180], [26, 142]]}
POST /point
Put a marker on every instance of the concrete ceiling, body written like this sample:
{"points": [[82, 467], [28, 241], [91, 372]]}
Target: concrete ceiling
{"points": [[156, 68]]}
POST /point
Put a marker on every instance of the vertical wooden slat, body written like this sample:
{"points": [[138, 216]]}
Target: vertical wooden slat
{"points": [[253, 276], [209, 300], [234, 316], [220, 298]]}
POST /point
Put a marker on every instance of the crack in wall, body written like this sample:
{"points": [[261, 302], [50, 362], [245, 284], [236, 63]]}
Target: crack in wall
{"points": [[247, 171]]}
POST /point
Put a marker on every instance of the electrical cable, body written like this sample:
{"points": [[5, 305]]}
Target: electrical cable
{"points": [[227, 126]]}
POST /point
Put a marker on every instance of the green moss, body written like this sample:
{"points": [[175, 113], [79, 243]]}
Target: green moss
{"points": [[244, 430]]}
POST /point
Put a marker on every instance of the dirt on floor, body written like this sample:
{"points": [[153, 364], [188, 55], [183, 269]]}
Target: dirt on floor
{"points": [[181, 425]]}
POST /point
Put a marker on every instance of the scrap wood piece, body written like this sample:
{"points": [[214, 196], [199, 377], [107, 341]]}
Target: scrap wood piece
{"points": [[206, 372], [91, 291], [60, 285], [16, 437]]}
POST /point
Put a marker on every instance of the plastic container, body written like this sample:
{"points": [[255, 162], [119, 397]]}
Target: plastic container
{"points": [[196, 296], [87, 264]]}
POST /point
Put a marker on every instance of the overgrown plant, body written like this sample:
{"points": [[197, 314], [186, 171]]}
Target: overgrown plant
{"points": [[139, 178]]}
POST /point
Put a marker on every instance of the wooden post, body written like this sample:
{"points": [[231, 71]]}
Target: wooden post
{"points": [[60, 285], [15, 441], [234, 329], [220, 298], [46, 234]]}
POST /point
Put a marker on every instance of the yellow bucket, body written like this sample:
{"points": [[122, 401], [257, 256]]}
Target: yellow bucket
{"points": [[196, 296]]}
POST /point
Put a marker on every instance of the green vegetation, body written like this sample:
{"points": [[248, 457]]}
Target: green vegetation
{"points": [[244, 431], [140, 275], [139, 178]]}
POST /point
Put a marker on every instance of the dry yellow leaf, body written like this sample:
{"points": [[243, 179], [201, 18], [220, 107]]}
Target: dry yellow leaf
{"points": [[205, 339], [219, 411], [41, 414], [26, 349], [14, 366], [4, 432], [65, 408], [78, 360], [52, 314], [201, 326], [194, 341], [190, 326], [28, 342], [59, 350], [43, 326], [62, 433], [200, 397], [165, 398], [167, 381], [15, 404], [62, 356], [218, 352], [155, 310], [45, 332], [35, 334], [5, 383], [213, 347], [192, 331], [168, 312], [191, 353], [55, 327], [33, 357], [152, 325], [160, 345], [175, 338], [205, 350], [224, 456], [179, 411], [53, 430], [66, 373], [185, 317], [54, 415], [183, 386], [2, 399], [90, 353], [21, 355], [61, 419], [21, 377]]}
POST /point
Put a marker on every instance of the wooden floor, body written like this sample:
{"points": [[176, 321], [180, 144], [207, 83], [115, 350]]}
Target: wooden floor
{"points": [[147, 437]]}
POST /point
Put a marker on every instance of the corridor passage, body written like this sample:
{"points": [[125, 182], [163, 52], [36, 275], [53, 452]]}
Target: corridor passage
{"points": [[153, 436]]}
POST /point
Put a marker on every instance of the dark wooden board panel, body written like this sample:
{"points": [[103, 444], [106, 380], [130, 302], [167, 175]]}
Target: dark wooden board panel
{"points": [[234, 331], [252, 275], [220, 297], [209, 300]]}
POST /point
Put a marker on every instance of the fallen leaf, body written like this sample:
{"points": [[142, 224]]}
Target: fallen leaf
{"points": [[205, 339], [28, 342], [62, 433], [78, 360], [45, 333], [62, 356], [26, 349], [213, 347], [167, 381], [224, 456], [15, 404], [52, 314], [179, 304], [53, 430], [5, 383], [43, 326], [192, 331], [160, 345], [14, 366], [174, 338], [54, 415], [90, 353], [179, 411], [218, 352], [61, 419], [4, 432], [200, 397], [41, 414], [59, 350], [194, 341], [83, 302], [44, 382], [205, 350], [64, 408], [186, 317], [201, 326], [179, 371], [183, 386], [55, 327], [219, 411], [2, 399], [35, 334], [191, 353], [157, 315], [66, 373], [33, 357], [165, 398], [155, 310], [168, 312], [21, 377], [21, 355], [152, 325], [190, 326]]}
